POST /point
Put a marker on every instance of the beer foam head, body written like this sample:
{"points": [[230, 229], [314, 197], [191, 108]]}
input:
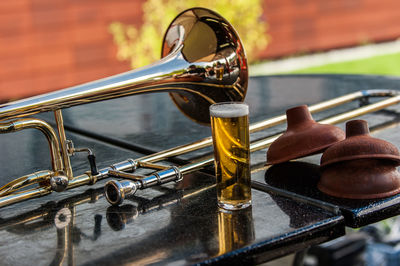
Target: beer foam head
{"points": [[229, 109]]}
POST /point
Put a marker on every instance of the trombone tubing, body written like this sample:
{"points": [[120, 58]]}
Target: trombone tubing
{"points": [[264, 124], [45, 128], [130, 164]]}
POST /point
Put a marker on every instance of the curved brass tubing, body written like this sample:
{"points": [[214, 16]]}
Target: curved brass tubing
{"points": [[45, 128], [41, 177]]}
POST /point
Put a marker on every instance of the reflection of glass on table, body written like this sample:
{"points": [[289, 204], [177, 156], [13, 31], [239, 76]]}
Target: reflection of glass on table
{"points": [[235, 229]]}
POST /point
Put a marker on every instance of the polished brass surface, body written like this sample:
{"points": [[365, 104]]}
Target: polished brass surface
{"points": [[203, 62], [217, 59], [63, 143], [42, 177]]}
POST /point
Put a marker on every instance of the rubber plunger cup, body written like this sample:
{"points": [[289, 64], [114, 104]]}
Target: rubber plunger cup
{"points": [[303, 137], [360, 167], [359, 145]]}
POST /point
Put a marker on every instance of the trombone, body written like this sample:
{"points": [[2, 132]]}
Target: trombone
{"points": [[215, 70], [203, 62]]}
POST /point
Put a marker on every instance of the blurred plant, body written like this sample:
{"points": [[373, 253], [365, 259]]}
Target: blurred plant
{"points": [[143, 46]]}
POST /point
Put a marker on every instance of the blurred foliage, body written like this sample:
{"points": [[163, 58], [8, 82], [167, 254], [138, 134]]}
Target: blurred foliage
{"points": [[143, 46], [376, 65]]}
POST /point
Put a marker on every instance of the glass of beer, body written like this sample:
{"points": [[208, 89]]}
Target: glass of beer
{"points": [[230, 132]]}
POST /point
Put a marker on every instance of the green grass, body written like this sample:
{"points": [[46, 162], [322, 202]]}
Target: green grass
{"points": [[378, 65]]}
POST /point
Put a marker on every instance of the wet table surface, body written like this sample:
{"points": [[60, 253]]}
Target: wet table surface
{"points": [[180, 223]]}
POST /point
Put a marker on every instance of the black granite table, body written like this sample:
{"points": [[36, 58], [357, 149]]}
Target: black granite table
{"points": [[180, 223]]}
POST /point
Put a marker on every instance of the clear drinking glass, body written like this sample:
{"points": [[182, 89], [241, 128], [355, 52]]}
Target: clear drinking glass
{"points": [[230, 133]]}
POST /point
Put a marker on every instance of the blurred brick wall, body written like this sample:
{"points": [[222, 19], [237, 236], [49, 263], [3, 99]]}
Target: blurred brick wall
{"points": [[52, 44], [303, 26]]}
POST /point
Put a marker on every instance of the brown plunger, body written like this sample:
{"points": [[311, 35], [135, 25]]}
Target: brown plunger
{"points": [[303, 137], [359, 145], [360, 167]]}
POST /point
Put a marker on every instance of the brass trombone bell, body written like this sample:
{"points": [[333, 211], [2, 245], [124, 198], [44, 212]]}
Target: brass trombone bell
{"points": [[217, 60]]}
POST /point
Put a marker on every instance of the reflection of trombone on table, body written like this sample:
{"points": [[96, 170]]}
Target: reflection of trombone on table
{"points": [[119, 216], [218, 232], [60, 215]]}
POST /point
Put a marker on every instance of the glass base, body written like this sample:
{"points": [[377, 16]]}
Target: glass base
{"points": [[232, 207]]}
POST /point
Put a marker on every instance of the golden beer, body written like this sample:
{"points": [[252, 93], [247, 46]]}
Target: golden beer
{"points": [[230, 131]]}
